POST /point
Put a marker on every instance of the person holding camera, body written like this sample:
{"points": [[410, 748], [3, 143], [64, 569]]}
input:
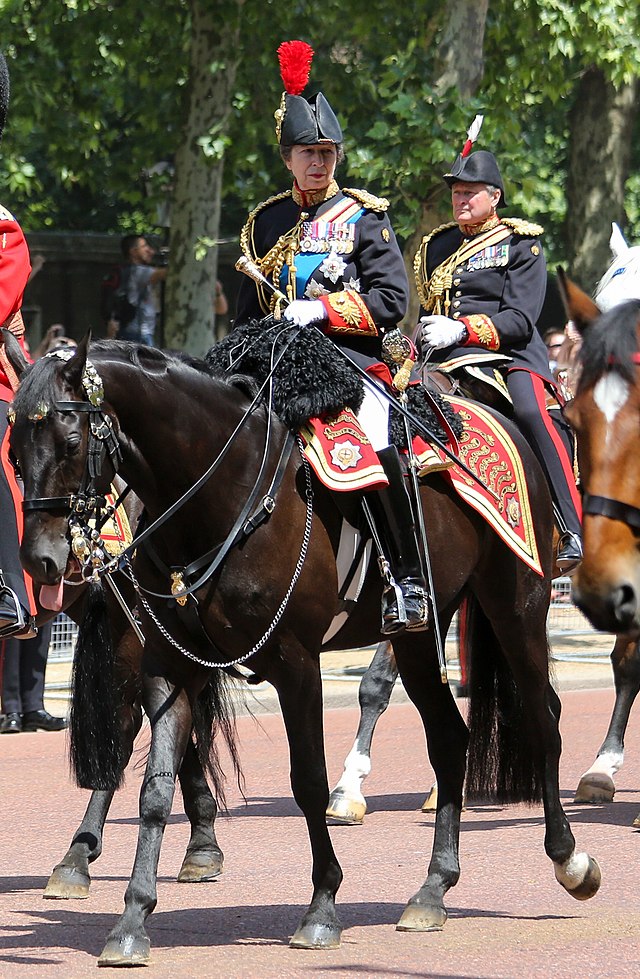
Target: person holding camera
{"points": [[136, 305]]}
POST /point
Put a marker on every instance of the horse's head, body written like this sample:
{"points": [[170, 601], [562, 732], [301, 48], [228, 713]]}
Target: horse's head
{"points": [[54, 417], [605, 415], [622, 279]]}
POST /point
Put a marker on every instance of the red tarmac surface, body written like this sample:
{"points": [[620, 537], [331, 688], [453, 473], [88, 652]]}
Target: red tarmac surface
{"points": [[508, 916]]}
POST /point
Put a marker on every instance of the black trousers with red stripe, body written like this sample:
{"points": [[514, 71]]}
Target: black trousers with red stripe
{"points": [[551, 439]]}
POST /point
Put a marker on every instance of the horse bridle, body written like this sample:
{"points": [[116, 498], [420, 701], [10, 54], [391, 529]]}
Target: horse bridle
{"points": [[606, 506]]}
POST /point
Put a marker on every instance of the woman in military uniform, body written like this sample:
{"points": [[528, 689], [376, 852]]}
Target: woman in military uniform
{"points": [[481, 280], [333, 254]]}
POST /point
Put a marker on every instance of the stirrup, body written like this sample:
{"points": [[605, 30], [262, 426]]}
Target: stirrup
{"points": [[14, 619], [394, 613]]}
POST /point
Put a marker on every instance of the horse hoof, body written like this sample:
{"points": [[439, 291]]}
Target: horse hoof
{"points": [[197, 868], [430, 804], [416, 917], [587, 886], [67, 883], [316, 935], [127, 950], [595, 787], [347, 812]]}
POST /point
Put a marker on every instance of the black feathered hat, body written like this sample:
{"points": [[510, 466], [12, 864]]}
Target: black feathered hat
{"points": [[480, 167], [4, 92], [300, 120]]}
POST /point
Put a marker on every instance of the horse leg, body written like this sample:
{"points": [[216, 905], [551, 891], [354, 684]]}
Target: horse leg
{"points": [[170, 715], [447, 739], [70, 878], [524, 644], [597, 783], [347, 804], [203, 860], [300, 694]]}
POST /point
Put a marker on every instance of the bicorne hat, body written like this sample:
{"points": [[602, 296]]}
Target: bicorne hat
{"points": [[480, 167], [4, 92], [300, 120]]}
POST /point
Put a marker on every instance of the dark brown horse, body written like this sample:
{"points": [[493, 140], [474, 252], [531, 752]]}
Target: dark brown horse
{"points": [[203, 859], [271, 600]]}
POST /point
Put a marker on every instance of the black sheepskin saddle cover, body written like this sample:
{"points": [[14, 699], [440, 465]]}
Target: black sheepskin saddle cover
{"points": [[313, 379]]}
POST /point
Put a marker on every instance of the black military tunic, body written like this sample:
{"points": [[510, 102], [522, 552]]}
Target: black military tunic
{"points": [[494, 282], [340, 250]]}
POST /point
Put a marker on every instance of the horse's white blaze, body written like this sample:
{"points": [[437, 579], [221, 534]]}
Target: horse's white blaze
{"points": [[572, 872], [610, 395]]}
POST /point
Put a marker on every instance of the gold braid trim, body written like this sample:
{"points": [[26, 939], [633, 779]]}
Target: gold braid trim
{"points": [[247, 232], [525, 228], [370, 201], [420, 262], [271, 264]]}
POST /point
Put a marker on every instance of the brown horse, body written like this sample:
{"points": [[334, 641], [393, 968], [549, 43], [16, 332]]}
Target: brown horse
{"points": [[193, 447], [604, 415]]}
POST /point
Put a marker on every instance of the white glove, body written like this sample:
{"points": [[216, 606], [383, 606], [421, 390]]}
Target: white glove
{"points": [[440, 331], [304, 312]]}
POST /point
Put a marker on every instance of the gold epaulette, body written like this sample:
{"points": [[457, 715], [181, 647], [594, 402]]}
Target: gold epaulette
{"points": [[5, 215], [245, 234], [368, 200], [525, 228]]}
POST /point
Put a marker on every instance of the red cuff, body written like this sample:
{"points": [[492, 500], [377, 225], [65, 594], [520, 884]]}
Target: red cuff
{"points": [[480, 332], [347, 313]]}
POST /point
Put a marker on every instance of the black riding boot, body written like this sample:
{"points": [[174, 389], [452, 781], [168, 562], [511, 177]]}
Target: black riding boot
{"points": [[404, 600]]}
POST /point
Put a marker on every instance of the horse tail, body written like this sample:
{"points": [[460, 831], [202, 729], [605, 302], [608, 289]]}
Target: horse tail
{"points": [[97, 754], [213, 714], [501, 761]]}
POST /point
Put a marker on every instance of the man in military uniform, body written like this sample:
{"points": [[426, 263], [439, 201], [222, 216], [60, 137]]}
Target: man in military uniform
{"points": [[482, 281], [334, 255]]}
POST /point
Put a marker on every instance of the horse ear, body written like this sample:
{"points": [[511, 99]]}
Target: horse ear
{"points": [[11, 351], [73, 371], [579, 307], [617, 244]]}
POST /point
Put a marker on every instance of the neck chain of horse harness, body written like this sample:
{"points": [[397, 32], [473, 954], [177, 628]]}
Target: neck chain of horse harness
{"points": [[281, 608]]}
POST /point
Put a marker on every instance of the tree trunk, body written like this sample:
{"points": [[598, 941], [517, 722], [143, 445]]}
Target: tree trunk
{"points": [[195, 217], [601, 123], [462, 32]]}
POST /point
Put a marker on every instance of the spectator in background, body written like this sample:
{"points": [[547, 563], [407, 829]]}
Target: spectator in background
{"points": [[54, 339], [135, 313], [554, 340], [220, 311], [23, 670]]}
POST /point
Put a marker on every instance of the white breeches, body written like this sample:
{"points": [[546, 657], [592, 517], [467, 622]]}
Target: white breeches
{"points": [[374, 416]]}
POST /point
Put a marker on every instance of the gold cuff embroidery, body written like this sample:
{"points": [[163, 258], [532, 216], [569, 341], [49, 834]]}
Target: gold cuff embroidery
{"points": [[353, 312], [481, 331]]}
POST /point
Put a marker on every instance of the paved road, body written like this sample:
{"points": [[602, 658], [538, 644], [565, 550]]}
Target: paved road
{"points": [[508, 917]]}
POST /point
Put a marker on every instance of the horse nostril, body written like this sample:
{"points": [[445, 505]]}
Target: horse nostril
{"points": [[625, 605]]}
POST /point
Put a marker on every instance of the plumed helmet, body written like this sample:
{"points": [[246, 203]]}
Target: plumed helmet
{"points": [[300, 120], [477, 168], [4, 92]]}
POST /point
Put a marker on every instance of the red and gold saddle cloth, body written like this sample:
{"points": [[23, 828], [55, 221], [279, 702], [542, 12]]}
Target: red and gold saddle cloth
{"points": [[340, 454], [487, 449], [342, 458]]}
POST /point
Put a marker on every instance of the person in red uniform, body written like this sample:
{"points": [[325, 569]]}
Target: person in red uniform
{"points": [[17, 605]]}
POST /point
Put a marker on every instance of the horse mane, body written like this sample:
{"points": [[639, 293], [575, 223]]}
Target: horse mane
{"points": [[609, 344], [37, 385]]}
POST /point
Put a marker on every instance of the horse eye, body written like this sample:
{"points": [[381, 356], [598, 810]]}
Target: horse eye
{"points": [[73, 441]]}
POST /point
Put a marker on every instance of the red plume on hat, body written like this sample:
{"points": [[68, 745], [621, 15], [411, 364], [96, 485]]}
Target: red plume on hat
{"points": [[295, 59], [472, 134]]}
